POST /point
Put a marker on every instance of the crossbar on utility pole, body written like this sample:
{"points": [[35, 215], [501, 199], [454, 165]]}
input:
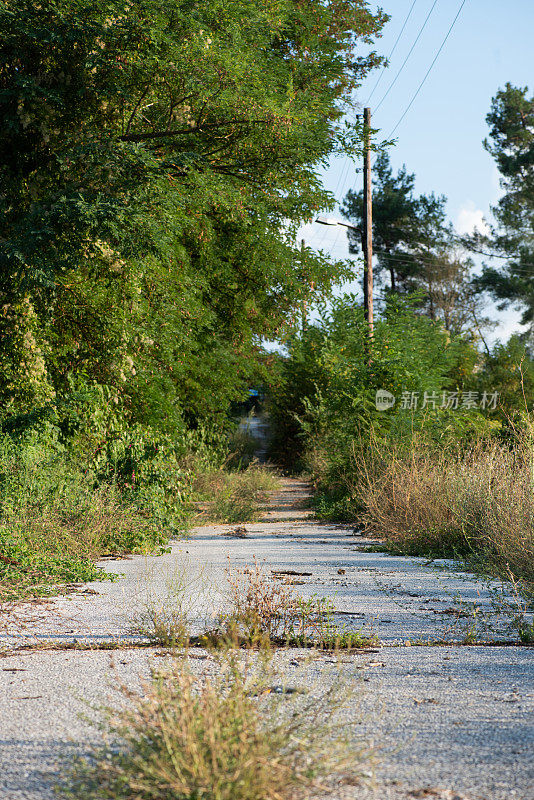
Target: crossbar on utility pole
{"points": [[367, 229]]}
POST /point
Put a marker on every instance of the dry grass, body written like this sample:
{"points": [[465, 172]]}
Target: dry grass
{"points": [[477, 505], [264, 611], [234, 497], [261, 613], [223, 737]]}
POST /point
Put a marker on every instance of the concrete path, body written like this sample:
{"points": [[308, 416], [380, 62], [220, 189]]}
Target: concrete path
{"points": [[446, 721]]}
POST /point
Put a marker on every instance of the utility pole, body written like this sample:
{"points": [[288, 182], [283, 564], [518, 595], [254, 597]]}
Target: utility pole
{"points": [[367, 228], [304, 309], [304, 306]]}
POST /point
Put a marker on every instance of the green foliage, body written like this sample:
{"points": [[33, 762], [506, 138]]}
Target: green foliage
{"points": [[326, 394], [54, 522], [508, 369], [147, 469], [294, 379], [75, 484], [152, 183], [415, 246], [157, 161]]}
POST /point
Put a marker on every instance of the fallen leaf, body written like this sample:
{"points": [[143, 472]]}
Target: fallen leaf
{"points": [[36, 697]]}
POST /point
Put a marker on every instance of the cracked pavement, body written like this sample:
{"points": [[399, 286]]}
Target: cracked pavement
{"points": [[446, 721]]}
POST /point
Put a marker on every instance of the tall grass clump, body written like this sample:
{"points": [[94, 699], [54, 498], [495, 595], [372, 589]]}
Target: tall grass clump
{"points": [[477, 504], [220, 737], [265, 611], [233, 496]]}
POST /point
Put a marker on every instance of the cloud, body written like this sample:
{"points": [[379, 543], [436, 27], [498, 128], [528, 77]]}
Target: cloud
{"points": [[470, 219]]}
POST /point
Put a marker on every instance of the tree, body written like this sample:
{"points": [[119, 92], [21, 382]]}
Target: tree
{"points": [[323, 394], [508, 370], [416, 247], [511, 143], [449, 296], [156, 162], [406, 229]]}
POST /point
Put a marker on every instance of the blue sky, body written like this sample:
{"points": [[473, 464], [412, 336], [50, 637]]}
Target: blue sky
{"points": [[440, 138]]}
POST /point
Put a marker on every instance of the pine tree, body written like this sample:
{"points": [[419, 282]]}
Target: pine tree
{"points": [[511, 143]]}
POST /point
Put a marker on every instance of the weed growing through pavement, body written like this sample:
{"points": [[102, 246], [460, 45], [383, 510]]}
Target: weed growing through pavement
{"points": [[509, 613], [265, 611], [164, 625], [262, 612], [508, 610], [511, 600], [166, 620], [220, 736]]}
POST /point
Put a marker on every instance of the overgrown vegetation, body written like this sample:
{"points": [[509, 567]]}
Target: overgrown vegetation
{"points": [[233, 497], [261, 611], [223, 736], [442, 471], [65, 504], [323, 402], [57, 520], [476, 504], [152, 189], [157, 162], [152, 186], [265, 611]]}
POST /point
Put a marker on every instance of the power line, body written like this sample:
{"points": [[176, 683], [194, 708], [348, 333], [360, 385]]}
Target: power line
{"points": [[346, 166], [384, 68], [334, 244], [429, 69], [394, 81], [410, 258], [489, 255]]}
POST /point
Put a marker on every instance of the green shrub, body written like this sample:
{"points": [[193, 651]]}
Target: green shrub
{"points": [[75, 486], [54, 522], [323, 395]]}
